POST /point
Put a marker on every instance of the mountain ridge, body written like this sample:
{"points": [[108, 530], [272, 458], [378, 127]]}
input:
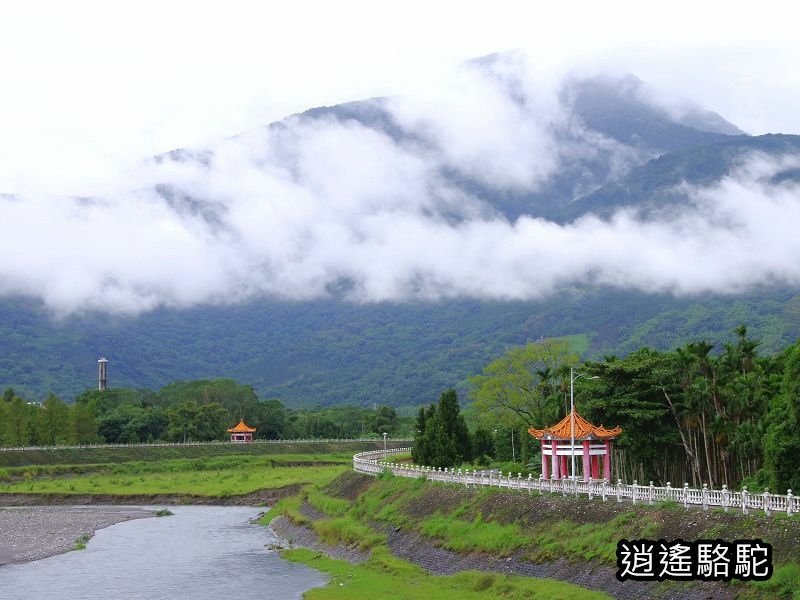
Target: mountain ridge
{"points": [[328, 351]]}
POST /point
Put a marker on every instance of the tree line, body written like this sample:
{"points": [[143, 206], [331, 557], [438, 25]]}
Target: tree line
{"points": [[180, 412], [689, 414]]}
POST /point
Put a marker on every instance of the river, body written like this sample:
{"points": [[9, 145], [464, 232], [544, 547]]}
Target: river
{"points": [[201, 552]]}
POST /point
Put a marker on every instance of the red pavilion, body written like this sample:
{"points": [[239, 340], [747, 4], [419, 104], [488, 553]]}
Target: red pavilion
{"points": [[591, 443], [242, 433]]}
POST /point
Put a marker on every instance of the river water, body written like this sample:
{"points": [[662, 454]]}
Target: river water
{"points": [[201, 552]]}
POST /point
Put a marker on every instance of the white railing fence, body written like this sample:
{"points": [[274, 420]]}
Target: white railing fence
{"points": [[374, 463]]}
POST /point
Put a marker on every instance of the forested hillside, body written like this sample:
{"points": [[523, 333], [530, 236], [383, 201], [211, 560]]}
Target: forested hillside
{"points": [[618, 154], [336, 352]]}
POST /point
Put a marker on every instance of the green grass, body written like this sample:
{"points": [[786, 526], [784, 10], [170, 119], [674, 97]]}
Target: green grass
{"points": [[386, 498], [220, 476], [590, 541], [102, 454], [288, 507], [333, 507], [385, 576], [476, 535], [784, 583], [80, 543], [347, 531]]}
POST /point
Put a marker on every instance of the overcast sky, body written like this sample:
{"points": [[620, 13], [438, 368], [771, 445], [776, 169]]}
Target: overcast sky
{"points": [[89, 87], [92, 89]]}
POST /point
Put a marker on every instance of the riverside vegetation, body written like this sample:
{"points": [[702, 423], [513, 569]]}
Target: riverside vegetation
{"points": [[361, 511], [357, 511], [210, 476]]}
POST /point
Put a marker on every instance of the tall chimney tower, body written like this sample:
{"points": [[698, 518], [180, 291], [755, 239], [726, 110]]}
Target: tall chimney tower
{"points": [[102, 374]]}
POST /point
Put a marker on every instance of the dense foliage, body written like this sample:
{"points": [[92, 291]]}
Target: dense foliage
{"points": [[688, 415], [179, 412], [330, 353], [442, 438]]}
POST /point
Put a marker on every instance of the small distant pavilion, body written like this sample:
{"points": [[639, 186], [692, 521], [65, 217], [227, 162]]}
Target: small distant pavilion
{"points": [[591, 443], [242, 433]]}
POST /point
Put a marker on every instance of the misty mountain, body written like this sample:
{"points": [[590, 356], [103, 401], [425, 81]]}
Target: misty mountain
{"points": [[656, 186], [610, 109], [374, 252]]}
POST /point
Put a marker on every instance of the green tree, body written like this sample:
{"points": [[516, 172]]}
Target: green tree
{"points": [[385, 420], [421, 452], [53, 425], [483, 444], [628, 393], [20, 422], [523, 387], [82, 425], [781, 442], [269, 419], [445, 439]]}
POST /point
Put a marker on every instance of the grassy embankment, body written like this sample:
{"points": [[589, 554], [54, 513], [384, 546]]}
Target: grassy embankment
{"points": [[385, 575], [219, 476], [118, 454], [540, 528], [214, 471]]}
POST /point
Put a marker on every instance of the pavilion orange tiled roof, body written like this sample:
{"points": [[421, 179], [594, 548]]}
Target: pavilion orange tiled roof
{"points": [[583, 430], [242, 428]]}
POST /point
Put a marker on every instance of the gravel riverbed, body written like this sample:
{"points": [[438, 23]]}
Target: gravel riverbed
{"points": [[35, 532]]}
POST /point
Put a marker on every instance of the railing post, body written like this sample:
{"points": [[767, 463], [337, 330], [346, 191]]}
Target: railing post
{"points": [[604, 488], [745, 494], [726, 497], [530, 484], [635, 485], [789, 503], [619, 490], [652, 490], [685, 495], [705, 496], [766, 501], [519, 481]]}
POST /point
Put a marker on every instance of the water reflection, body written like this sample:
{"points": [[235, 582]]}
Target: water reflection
{"points": [[202, 552]]}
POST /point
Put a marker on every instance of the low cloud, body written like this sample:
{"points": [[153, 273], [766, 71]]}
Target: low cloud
{"points": [[331, 207]]}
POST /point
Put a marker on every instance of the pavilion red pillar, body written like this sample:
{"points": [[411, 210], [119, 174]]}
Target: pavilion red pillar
{"points": [[554, 459], [564, 467], [545, 474], [607, 461], [595, 467], [586, 467]]}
